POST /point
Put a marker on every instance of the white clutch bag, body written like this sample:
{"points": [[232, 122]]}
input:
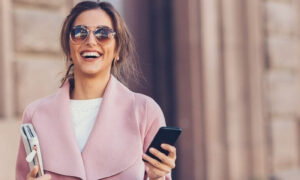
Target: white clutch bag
{"points": [[32, 148]]}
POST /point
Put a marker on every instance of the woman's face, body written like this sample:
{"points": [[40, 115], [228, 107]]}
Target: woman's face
{"points": [[103, 53]]}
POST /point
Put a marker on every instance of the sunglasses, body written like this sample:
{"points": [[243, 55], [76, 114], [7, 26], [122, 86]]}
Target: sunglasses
{"points": [[102, 34]]}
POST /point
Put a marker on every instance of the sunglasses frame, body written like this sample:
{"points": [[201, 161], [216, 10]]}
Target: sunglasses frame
{"points": [[111, 34]]}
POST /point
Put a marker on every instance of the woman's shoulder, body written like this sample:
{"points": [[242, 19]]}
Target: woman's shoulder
{"points": [[147, 104], [32, 107], [144, 99]]}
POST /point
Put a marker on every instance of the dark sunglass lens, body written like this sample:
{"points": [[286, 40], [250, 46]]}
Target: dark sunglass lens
{"points": [[103, 34], [79, 34]]}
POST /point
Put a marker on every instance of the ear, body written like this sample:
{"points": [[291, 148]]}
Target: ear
{"points": [[117, 53]]}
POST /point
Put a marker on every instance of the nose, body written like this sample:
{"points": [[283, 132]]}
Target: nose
{"points": [[91, 39]]}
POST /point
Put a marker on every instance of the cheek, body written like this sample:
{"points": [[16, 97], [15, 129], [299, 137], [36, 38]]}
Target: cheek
{"points": [[112, 49], [72, 53], [73, 50]]}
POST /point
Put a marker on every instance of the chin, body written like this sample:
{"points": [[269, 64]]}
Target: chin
{"points": [[93, 72], [92, 69]]}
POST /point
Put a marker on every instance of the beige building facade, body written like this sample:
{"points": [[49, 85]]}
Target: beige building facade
{"points": [[231, 80], [241, 60]]}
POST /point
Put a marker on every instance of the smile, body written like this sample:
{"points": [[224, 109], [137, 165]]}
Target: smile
{"points": [[90, 55]]}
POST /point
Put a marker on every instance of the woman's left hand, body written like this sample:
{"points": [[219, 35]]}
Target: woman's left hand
{"points": [[157, 170]]}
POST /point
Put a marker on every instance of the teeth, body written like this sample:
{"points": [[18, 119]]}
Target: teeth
{"points": [[90, 54]]}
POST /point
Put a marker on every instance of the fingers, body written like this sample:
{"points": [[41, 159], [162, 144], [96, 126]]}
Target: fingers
{"points": [[169, 161], [32, 173], [171, 149], [155, 168], [157, 164], [44, 177], [154, 172]]}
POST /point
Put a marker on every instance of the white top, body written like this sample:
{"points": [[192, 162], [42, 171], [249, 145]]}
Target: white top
{"points": [[84, 114]]}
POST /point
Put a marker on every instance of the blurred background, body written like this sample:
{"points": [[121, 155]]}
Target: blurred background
{"points": [[226, 71]]}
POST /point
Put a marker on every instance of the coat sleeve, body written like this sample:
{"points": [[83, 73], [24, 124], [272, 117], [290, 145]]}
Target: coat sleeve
{"points": [[155, 120], [22, 167]]}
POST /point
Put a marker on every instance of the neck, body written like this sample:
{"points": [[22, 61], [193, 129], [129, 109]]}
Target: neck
{"points": [[89, 87]]}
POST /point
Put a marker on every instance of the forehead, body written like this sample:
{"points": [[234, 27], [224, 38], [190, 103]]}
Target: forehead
{"points": [[94, 17]]}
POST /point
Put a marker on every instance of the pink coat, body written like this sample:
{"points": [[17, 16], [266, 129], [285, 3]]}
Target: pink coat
{"points": [[125, 126]]}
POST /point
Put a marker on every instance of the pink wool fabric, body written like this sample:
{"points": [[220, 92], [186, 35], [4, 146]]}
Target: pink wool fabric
{"points": [[125, 126]]}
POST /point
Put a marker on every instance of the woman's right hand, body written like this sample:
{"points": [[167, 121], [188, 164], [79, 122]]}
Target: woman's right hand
{"points": [[32, 175]]}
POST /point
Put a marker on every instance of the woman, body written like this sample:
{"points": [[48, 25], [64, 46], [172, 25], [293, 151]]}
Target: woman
{"points": [[94, 127]]}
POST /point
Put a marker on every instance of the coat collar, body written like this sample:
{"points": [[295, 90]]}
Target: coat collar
{"points": [[113, 145]]}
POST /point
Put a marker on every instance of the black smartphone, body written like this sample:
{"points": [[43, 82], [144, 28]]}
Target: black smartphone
{"points": [[165, 135]]}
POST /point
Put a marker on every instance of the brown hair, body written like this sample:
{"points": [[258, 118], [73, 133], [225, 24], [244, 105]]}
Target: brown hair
{"points": [[123, 69]]}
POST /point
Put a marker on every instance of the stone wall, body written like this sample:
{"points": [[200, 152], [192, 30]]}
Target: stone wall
{"points": [[31, 64], [239, 96], [282, 85], [36, 25]]}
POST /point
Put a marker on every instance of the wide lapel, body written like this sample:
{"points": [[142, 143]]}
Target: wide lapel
{"points": [[52, 122], [114, 143]]}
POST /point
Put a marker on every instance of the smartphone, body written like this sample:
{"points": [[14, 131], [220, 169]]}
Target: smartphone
{"points": [[165, 135]]}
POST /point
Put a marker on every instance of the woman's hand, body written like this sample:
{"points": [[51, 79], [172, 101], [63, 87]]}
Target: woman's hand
{"points": [[157, 170], [32, 175]]}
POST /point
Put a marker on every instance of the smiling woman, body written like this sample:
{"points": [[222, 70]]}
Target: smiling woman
{"points": [[94, 127]]}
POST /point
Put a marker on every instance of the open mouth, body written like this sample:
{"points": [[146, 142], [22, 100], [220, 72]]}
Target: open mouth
{"points": [[91, 55]]}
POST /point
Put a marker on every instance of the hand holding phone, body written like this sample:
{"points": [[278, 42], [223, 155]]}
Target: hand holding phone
{"points": [[165, 135]]}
